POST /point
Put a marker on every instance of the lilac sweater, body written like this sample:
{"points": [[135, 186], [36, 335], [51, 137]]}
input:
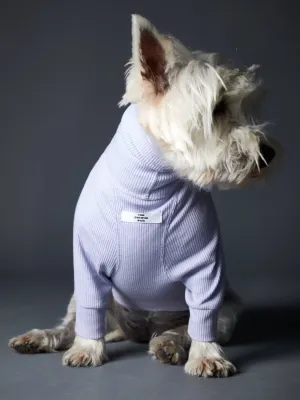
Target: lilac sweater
{"points": [[145, 235]]}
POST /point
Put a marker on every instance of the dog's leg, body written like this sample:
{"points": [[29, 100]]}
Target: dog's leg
{"points": [[171, 346], [62, 337], [114, 333], [91, 352], [207, 359], [114, 336], [228, 316], [48, 340]]}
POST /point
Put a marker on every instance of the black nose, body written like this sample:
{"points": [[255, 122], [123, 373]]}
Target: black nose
{"points": [[268, 154]]}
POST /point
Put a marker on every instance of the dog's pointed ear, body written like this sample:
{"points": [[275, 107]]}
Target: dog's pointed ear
{"points": [[150, 51]]}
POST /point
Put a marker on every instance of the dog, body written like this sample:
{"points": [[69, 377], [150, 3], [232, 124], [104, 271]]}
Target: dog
{"points": [[148, 257]]}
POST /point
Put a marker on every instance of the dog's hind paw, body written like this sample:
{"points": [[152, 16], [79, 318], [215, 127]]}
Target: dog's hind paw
{"points": [[34, 341], [167, 350]]}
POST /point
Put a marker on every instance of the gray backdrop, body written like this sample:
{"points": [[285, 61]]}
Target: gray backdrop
{"points": [[61, 72]]}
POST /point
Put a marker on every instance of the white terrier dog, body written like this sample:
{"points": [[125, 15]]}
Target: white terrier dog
{"points": [[145, 228]]}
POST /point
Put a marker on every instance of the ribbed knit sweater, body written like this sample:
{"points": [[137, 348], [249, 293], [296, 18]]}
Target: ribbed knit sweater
{"points": [[147, 236]]}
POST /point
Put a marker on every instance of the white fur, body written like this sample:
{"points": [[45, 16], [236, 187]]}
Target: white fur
{"points": [[35, 340], [70, 315], [85, 352], [200, 148], [208, 359]]}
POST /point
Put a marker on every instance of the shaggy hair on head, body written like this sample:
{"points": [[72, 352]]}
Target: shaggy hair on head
{"points": [[193, 106]]}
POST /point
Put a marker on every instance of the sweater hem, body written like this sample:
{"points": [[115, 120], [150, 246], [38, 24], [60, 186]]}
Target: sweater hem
{"points": [[203, 325], [90, 322]]}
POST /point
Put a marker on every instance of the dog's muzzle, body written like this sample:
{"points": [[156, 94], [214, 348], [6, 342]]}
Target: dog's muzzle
{"points": [[268, 153]]}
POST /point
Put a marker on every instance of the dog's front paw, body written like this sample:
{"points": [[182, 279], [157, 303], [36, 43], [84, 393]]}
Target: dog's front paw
{"points": [[167, 350], [85, 353], [210, 367], [207, 359]]}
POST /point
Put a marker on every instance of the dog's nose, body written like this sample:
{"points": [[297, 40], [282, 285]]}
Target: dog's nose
{"points": [[268, 153]]}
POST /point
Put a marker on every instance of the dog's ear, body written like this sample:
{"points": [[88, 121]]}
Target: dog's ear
{"points": [[150, 51], [153, 57]]}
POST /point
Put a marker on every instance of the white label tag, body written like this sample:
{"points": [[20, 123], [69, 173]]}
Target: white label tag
{"points": [[154, 217]]}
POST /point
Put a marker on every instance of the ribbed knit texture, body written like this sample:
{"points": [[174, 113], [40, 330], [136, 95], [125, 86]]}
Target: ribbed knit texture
{"points": [[169, 266]]}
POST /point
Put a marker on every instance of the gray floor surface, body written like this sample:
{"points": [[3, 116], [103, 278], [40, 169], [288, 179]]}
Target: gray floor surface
{"points": [[265, 348]]}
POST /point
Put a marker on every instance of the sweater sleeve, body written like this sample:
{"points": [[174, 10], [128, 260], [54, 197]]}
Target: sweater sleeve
{"points": [[204, 292], [195, 258], [92, 284]]}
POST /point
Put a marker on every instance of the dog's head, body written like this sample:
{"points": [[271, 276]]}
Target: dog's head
{"points": [[194, 106]]}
